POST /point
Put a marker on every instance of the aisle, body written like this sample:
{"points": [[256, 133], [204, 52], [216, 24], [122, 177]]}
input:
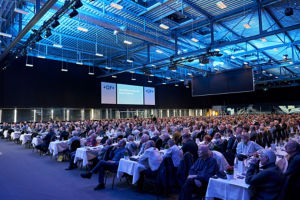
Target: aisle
{"points": [[24, 175]]}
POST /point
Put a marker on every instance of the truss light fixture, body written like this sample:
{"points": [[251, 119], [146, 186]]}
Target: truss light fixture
{"points": [[5, 34], [247, 26], [176, 85], [73, 13], [233, 57], [221, 5], [264, 71], [18, 10], [164, 83], [99, 54], [133, 79], [29, 65], [114, 76], [195, 40], [64, 70], [263, 39], [296, 67], [276, 77], [189, 74], [169, 78], [107, 67], [159, 51], [77, 4], [48, 33], [57, 45], [291, 62], [270, 74], [275, 49], [181, 80], [151, 75], [42, 57], [149, 81], [116, 6], [91, 73], [246, 63], [79, 63], [152, 65], [130, 60], [55, 24], [163, 26], [116, 32], [82, 29], [127, 42]]}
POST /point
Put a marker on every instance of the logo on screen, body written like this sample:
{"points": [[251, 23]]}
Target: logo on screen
{"points": [[149, 91], [109, 87]]}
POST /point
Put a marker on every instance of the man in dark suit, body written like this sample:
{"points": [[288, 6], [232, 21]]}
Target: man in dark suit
{"points": [[293, 170], [199, 174], [267, 183], [111, 165], [189, 146], [46, 141]]}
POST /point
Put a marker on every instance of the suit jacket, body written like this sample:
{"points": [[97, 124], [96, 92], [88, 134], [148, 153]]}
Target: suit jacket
{"points": [[192, 147], [151, 158], [265, 184]]}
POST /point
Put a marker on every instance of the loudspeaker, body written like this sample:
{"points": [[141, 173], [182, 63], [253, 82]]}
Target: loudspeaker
{"points": [[288, 11]]}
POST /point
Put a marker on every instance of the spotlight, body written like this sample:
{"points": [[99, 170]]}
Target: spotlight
{"points": [[55, 24], [78, 4], [73, 13], [285, 57], [288, 11], [48, 33]]}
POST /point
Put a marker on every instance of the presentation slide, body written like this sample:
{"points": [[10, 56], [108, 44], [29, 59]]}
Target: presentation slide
{"points": [[149, 96], [130, 94], [108, 93]]}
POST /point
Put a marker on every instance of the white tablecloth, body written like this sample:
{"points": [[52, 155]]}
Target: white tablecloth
{"points": [[15, 135], [227, 189], [5, 133], [87, 153], [36, 141], [25, 137], [130, 167], [57, 146]]}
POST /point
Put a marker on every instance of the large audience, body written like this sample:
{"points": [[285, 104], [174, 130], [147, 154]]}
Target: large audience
{"points": [[195, 149]]}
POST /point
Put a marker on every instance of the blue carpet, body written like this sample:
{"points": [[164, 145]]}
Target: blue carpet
{"points": [[25, 175]]}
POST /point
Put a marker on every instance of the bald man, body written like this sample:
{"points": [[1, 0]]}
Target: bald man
{"points": [[265, 184], [199, 174], [293, 170]]}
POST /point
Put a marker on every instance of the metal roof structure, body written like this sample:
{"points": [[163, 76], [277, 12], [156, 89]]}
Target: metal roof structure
{"points": [[170, 39]]}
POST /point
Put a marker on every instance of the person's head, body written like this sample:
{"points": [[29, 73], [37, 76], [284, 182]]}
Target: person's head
{"points": [[108, 142], [245, 137], [292, 147], [144, 138], [207, 139], [267, 157], [156, 133], [122, 143], [165, 136], [203, 152], [185, 137], [217, 136], [75, 133], [130, 138], [171, 142], [149, 144]]}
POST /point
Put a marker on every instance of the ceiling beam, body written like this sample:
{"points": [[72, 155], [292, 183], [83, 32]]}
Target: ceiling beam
{"points": [[47, 6]]}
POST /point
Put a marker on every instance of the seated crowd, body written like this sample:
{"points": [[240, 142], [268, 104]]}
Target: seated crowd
{"points": [[195, 149]]}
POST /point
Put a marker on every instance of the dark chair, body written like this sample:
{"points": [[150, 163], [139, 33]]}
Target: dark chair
{"points": [[184, 167], [158, 143], [114, 174]]}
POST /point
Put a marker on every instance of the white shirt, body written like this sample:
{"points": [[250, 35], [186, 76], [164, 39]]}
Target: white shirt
{"points": [[154, 159], [175, 153], [248, 148], [221, 160]]}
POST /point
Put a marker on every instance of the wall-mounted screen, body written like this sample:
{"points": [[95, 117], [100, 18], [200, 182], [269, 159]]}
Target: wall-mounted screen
{"points": [[108, 93], [235, 81], [130, 94], [149, 95]]}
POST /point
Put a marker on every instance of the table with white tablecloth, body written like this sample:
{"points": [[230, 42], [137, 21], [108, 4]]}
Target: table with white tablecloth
{"points": [[87, 153], [130, 167], [15, 135], [25, 137], [5, 133], [56, 147], [227, 189], [36, 141]]}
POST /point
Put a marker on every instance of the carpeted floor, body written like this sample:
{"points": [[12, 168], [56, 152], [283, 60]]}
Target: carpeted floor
{"points": [[25, 175]]}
